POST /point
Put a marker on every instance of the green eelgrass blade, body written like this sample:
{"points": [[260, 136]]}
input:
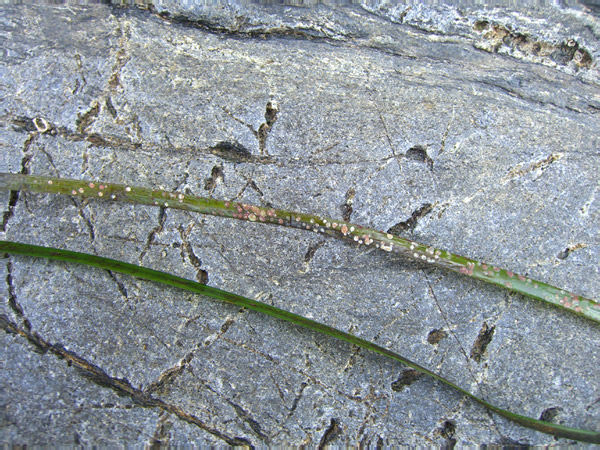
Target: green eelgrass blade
{"points": [[360, 235], [192, 286]]}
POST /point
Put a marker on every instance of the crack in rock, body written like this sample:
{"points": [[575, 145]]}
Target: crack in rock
{"points": [[12, 295], [87, 220], [252, 423], [332, 431], [419, 153], [170, 375], [297, 399], [162, 435], [549, 414], [121, 386], [448, 431], [564, 254], [411, 223], [231, 151], [162, 218], [120, 286], [497, 38], [85, 121], [436, 335], [265, 128], [216, 176], [187, 249], [121, 58], [13, 197], [519, 170], [310, 253], [483, 340], [226, 150], [297, 29], [408, 377], [347, 208]]}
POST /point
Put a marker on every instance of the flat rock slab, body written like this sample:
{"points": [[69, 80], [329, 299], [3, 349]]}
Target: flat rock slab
{"points": [[470, 130]]}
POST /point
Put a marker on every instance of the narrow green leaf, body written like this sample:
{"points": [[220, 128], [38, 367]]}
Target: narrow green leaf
{"points": [[361, 236], [192, 286]]}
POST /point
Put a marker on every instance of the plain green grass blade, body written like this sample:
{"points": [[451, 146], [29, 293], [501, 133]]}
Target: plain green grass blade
{"points": [[357, 234], [192, 286]]}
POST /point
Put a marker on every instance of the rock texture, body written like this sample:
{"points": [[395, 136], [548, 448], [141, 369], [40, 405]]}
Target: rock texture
{"points": [[472, 130]]}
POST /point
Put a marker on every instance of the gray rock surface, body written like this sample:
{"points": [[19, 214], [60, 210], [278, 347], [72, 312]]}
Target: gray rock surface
{"points": [[489, 116]]}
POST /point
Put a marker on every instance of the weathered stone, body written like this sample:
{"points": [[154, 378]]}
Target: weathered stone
{"points": [[488, 117]]}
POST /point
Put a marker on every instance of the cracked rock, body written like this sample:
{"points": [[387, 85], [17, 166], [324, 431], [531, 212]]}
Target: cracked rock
{"points": [[472, 130]]}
